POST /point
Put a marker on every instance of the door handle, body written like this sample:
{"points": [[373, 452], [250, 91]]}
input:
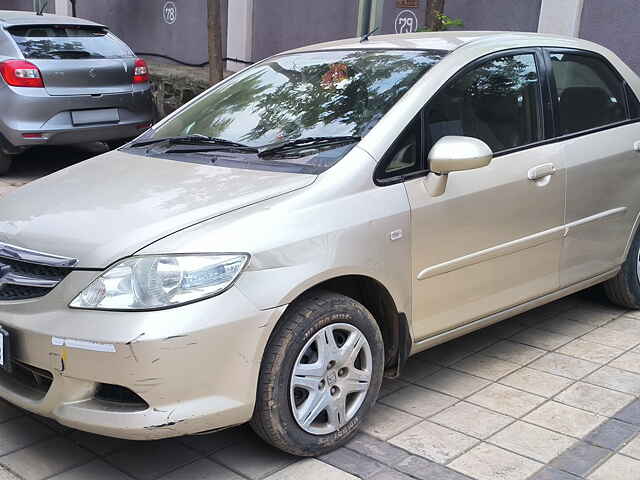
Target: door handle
{"points": [[541, 171]]}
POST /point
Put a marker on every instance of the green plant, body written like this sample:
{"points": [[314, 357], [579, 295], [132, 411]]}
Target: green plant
{"points": [[444, 21]]}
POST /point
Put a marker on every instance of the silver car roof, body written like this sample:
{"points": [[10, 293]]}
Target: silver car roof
{"points": [[10, 18]]}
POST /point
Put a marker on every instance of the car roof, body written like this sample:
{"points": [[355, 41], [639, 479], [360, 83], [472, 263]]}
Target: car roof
{"points": [[447, 41], [9, 18]]}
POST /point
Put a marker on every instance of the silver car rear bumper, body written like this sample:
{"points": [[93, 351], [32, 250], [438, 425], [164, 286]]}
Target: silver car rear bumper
{"points": [[33, 111]]}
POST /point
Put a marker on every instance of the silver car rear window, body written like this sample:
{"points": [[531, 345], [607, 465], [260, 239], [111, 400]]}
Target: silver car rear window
{"points": [[56, 42]]}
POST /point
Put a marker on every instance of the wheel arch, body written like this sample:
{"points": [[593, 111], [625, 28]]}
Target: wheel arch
{"points": [[377, 299]]}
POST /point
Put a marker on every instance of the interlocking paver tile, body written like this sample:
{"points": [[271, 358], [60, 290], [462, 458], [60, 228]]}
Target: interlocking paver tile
{"points": [[486, 462], [424, 469], [630, 414], [353, 462], [513, 352], [21, 432], [385, 422], [8, 411], [550, 473], [419, 401], [254, 459], [565, 326], [543, 339], [390, 385], [472, 420], [98, 444], [594, 352], [46, 459], [591, 316], [96, 470], [613, 338], [616, 379], [486, 367], [390, 475], [437, 443], [564, 366], [416, 369], [146, 460], [214, 442], [632, 448], [532, 441], [564, 419], [308, 468], [629, 361], [505, 329], [617, 467], [580, 459], [455, 350], [611, 434], [626, 323], [536, 382], [454, 383], [507, 400], [594, 399], [377, 449]]}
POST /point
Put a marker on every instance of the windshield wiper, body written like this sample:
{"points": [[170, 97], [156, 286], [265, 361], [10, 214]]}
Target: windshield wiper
{"points": [[197, 140], [306, 142]]}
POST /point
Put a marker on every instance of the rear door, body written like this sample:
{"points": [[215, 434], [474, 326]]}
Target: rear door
{"points": [[77, 60], [598, 139]]}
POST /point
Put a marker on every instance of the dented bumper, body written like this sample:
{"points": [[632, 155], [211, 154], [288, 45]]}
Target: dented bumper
{"points": [[194, 367]]}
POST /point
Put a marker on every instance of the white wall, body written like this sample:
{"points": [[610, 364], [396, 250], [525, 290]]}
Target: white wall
{"points": [[561, 17], [239, 33]]}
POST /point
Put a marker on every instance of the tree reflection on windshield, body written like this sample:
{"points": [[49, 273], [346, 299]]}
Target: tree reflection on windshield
{"points": [[301, 95]]}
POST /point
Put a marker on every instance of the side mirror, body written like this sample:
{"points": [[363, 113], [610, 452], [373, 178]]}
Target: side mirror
{"points": [[454, 154]]}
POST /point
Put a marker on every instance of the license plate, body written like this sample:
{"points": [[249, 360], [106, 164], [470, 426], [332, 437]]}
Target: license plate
{"points": [[5, 350], [101, 115]]}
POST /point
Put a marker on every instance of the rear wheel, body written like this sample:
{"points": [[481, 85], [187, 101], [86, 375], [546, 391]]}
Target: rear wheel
{"points": [[624, 288], [320, 375], [5, 162]]}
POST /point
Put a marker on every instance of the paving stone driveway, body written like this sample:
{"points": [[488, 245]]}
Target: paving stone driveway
{"points": [[549, 395]]}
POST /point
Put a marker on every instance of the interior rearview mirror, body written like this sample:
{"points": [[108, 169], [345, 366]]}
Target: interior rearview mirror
{"points": [[454, 154]]}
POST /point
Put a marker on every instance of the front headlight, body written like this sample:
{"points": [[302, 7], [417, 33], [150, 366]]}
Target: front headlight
{"points": [[161, 281]]}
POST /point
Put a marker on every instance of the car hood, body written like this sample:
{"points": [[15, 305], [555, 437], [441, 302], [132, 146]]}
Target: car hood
{"points": [[111, 206]]}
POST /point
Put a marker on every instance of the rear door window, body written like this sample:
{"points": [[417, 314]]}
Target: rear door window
{"points": [[590, 94], [53, 42]]}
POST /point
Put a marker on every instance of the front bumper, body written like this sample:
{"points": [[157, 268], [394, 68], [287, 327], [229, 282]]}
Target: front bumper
{"points": [[195, 366], [33, 111]]}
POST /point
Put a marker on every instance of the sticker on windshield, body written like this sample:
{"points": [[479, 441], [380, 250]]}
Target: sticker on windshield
{"points": [[336, 77]]}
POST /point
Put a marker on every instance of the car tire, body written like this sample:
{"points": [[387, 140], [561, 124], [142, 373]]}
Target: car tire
{"points": [[5, 162], [292, 417], [624, 288]]}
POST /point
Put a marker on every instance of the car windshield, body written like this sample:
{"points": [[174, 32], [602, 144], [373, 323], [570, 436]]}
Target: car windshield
{"points": [[53, 42], [303, 96]]}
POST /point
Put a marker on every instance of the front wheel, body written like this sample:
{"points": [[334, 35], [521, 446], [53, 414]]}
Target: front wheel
{"points": [[320, 375], [624, 288], [5, 162]]}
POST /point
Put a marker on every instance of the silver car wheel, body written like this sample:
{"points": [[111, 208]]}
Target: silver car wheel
{"points": [[330, 378]]}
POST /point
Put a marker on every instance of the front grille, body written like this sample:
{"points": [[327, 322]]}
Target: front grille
{"points": [[20, 280]]}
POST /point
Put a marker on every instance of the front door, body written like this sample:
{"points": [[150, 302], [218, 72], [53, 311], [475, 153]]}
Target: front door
{"points": [[493, 239]]}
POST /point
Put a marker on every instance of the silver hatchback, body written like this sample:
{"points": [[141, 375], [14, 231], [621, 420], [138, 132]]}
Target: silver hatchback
{"points": [[65, 80]]}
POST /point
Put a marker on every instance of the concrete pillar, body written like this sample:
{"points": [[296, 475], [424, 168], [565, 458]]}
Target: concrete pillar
{"points": [[561, 17], [239, 33], [63, 7]]}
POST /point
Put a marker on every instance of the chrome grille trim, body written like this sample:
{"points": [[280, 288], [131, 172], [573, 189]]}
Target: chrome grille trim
{"points": [[26, 281], [31, 256]]}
